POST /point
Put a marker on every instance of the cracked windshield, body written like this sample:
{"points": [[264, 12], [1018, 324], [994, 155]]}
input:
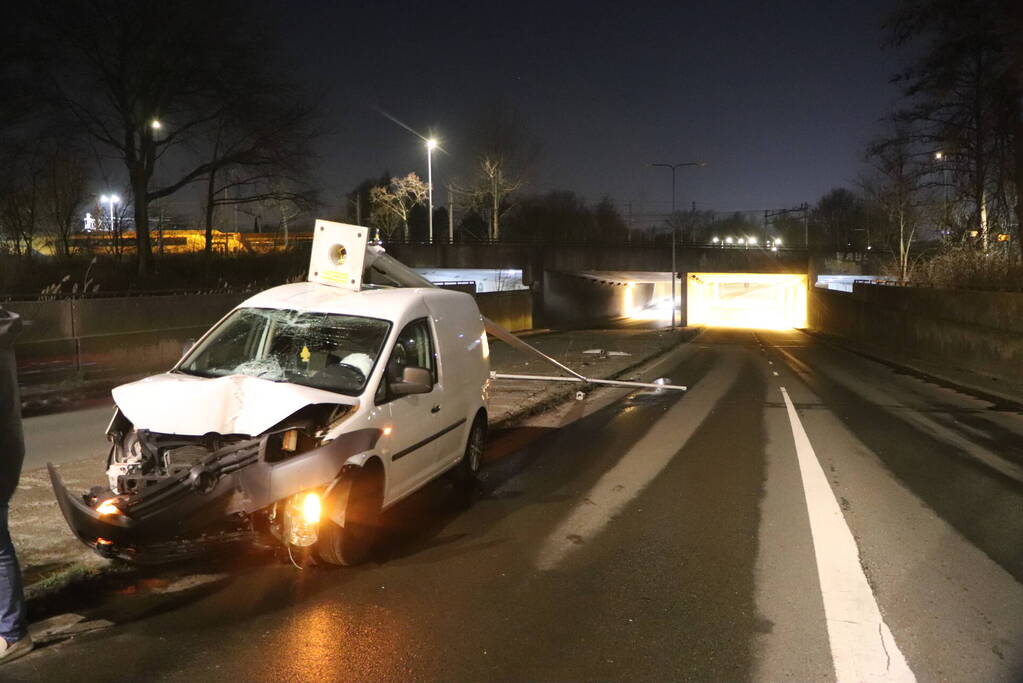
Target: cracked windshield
{"points": [[321, 350]]}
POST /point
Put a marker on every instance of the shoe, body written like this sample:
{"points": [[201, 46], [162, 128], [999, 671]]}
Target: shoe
{"points": [[11, 651]]}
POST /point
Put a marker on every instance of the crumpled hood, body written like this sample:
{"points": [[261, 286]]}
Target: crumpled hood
{"points": [[236, 404]]}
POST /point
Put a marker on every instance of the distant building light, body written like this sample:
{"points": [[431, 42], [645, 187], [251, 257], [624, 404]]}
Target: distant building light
{"points": [[715, 240], [751, 240], [728, 240], [974, 233], [1002, 237], [777, 241]]}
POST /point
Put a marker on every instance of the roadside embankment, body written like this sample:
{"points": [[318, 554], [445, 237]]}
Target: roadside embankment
{"points": [[52, 558]]}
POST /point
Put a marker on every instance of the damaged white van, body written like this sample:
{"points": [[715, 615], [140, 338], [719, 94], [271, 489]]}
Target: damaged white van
{"points": [[297, 419]]}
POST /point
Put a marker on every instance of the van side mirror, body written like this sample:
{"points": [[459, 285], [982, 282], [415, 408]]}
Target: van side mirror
{"points": [[413, 381]]}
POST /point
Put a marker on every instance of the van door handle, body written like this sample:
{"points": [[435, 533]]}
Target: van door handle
{"points": [[435, 409]]}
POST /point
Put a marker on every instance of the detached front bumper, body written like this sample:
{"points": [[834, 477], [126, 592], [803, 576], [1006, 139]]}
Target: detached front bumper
{"points": [[170, 530]]}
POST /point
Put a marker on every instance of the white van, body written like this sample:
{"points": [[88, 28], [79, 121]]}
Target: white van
{"points": [[298, 418]]}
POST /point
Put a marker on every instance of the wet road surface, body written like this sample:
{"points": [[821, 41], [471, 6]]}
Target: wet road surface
{"points": [[860, 523]]}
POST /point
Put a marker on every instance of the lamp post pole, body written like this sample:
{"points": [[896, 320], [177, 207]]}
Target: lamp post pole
{"points": [[675, 167], [430, 144], [111, 200]]}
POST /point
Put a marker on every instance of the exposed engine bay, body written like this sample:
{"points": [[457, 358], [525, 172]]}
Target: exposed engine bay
{"points": [[172, 496], [140, 459]]}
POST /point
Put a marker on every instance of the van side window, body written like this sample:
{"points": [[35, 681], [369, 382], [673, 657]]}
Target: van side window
{"points": [[413, 348]]}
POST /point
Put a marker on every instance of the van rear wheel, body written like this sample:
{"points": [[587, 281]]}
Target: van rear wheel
{"points": [[352, 544], [467, 472]]}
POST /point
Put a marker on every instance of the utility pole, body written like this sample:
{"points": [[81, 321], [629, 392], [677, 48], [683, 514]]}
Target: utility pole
{"points": [[451, 216], [358, 208], [674, 227]]}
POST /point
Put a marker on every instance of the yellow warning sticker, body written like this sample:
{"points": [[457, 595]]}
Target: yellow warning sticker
{"points": [[335, 276]]}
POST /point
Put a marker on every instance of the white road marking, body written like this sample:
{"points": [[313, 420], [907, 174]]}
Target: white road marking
{"points": [[862, 646], [638, 467]]}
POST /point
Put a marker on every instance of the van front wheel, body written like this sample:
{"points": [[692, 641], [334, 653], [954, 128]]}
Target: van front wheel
{"points": [[352, 544]]}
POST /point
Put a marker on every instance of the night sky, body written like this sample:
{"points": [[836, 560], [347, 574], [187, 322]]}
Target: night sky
{"points": [[779, 98]]}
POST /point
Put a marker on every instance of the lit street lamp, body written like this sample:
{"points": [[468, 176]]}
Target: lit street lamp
{"points": [[675, 167], [431, 143], [111, 200]]}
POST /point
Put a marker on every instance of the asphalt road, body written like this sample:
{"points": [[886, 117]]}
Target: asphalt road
{"points": [[859, 524], [64, 437]]}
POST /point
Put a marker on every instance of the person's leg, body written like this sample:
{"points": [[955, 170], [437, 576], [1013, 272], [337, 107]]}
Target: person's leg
{"points": [[12, 598]]}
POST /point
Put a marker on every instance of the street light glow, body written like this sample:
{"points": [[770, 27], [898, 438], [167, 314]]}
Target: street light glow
{"points": [[715, 240], [728, 240], [431, 143], [752, 240], [156, 125], [939, 155], [777, 241]]}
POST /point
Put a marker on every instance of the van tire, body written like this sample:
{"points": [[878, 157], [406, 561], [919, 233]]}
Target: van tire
{"points": [[352, 544], [467, 472]]}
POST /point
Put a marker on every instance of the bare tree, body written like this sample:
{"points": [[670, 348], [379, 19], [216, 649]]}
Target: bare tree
{"points": [[503, 153], [966, 100], [393, 204], [64, 192], [895, 187], [260, 151], [121, 66]]}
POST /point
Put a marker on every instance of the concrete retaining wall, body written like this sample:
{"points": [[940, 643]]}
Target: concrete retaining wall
{"points": [[512, 310], [977, 331], [92, 339], [105, 339], [574, 300]]}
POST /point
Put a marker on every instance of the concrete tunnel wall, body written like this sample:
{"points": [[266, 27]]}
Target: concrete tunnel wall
{"points": [[573, 300], [971, 330]]}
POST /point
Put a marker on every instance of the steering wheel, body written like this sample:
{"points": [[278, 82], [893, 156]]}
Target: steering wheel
{"points": [[343, 374]]}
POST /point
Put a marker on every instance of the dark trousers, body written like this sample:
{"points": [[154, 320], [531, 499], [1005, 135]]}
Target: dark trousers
{"points": [[12, 597]]}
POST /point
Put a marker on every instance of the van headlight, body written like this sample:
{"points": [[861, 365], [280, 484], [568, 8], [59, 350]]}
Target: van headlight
{"points": [[302, 519]]}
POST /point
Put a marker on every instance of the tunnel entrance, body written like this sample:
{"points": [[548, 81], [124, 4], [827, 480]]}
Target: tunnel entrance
{"points": [[749, 300]]}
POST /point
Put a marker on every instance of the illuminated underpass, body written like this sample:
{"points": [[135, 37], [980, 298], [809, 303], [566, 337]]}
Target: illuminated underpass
{"points": [[736, 299], [751, 300]]}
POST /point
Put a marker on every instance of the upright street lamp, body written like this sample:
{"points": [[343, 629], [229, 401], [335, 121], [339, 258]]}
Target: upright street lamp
{"points": [[431, 143], [111, 200], [941, 158], [675, 167]]}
